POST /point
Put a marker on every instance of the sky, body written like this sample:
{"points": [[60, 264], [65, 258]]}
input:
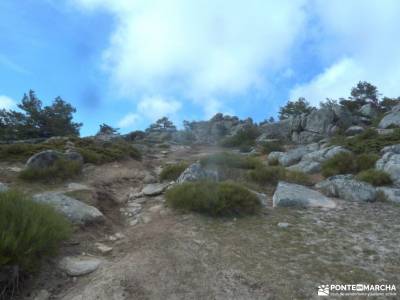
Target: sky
{"points": [[129, 62]]}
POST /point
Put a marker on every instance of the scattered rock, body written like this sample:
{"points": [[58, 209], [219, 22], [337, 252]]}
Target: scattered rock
{"points": [[289, 194], [283, 225], [390, 163], [293, 156], [145, 219], [156, 208], [76, 211], [353, 130], [347, 188], [154, 189], [391, 194], [261, 197], [368, 110], [73, 186], [148, 178], [79, 265], [309, 167], [196, 172], [41, 295], [104, 249]]}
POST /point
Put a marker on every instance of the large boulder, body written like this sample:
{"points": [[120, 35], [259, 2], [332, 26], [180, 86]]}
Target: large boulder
{"points": [[347, 188], [353, 130], [79, 265], [75, 211], [320, 120], [49, 158], [390, 163], [292, 156], [312, 161], [289, 194], [368, 110], [390, 194], [196, 172], [392, 119], [44, 159]]}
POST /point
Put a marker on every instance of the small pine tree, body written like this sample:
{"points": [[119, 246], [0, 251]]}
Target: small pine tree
{"points": [[295, 108]]}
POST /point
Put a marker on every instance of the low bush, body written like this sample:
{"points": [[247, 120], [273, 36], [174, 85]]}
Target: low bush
{"points": [[348, 163], [211, 198], [61, 170], [366, 161], [172, 172], [368, 142], [375, 177], [245, 137], [297, 177], [273, 174], [230, 160], [28, 232], [267, 175], [93, 151], [268, 147]]}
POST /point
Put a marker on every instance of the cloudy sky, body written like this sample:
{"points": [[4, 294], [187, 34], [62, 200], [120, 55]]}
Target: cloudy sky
{"points": [[129, 62]]}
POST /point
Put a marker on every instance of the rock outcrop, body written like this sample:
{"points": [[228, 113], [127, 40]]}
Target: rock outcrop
{"points": [[390, 162], [391, 119], [294, 195], [347, 188], [49, 158], [196, 172], [75, 211], [308, 128]]}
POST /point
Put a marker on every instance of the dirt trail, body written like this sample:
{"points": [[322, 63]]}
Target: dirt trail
{"points": [[168, 255]]}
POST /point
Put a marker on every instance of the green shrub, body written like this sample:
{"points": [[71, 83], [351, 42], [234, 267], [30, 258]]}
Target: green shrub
{"points": [[268, 147], [297, 177], [368, 142], [28, 231], [172, 172], [93, 151], [230, 160], [272, 174], [375, 177], [366, 161], [342, 163], [267, 175], [245, 137], [61, 170], [215, 199], [348, 163], [164, 146]]}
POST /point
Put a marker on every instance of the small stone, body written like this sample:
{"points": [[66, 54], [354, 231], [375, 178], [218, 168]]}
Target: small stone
{"points": [[79, 265], [104, 249], [155, 209], [146, 219], [133, 222], [42, 295], [283, 225], [154, 189]]}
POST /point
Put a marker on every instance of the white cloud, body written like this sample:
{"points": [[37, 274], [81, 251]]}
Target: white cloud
{"points": [[128, 120], [360, 37], [156, 107], [219, 50], [198, 49], [6, 102]]}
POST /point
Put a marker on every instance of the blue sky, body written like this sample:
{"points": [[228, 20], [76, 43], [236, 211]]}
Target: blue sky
{"points": [[129, 62]]}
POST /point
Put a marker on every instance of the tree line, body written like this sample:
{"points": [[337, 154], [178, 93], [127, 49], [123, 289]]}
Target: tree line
{"points": [[37, 121]]}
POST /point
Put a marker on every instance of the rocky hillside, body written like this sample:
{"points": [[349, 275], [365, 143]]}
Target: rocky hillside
{"points": [[225, 209]]}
